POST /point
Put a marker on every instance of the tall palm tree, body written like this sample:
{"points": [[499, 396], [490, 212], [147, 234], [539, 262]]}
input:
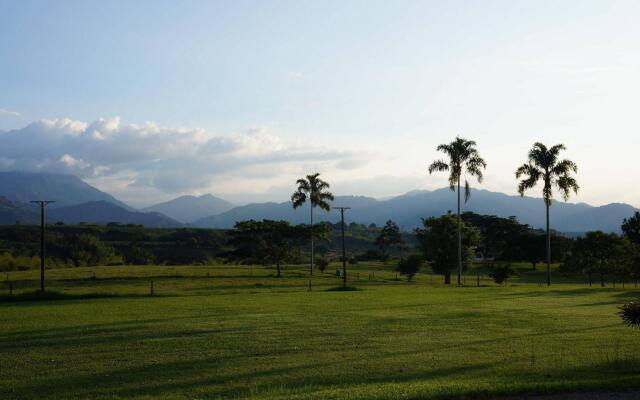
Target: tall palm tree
{"points": [[544, 164], [463, 158], [313, 189]]}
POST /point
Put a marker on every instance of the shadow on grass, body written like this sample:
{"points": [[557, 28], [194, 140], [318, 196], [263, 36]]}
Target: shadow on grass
{"points": [[53, 296], [343, 289]]}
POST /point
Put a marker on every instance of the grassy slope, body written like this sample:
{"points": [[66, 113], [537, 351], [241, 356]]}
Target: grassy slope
{"points": [[242, 333]]}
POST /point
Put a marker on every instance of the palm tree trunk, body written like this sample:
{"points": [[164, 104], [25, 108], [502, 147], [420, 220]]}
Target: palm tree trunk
{"points": [[311, 268], [459, 238], [548, 247]]}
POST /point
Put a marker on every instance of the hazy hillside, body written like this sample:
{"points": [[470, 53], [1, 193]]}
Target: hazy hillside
{"points": [[103, 212], [407, 210], [66, 190], [282, 211], [11, 213], [190, 208]]}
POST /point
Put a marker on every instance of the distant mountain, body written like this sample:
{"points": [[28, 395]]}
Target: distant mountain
{"points": [[190, 208], [408, 209], [11, 213], [66, 190], [103, 212], [283, 211]]}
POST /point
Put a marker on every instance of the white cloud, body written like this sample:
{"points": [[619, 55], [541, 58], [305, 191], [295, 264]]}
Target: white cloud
{"points": [[4, 111], [139, 161]]}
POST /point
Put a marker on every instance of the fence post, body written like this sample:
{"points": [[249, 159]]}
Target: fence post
{"points": [[10, 288], [478, 280], [151, 289], [309, 284]]}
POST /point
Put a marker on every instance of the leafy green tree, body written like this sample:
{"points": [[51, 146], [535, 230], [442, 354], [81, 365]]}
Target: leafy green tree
{"points": [[498, 235], [631, 228], [138, 255], [544, 164], [85, 249], [437, 242], [389, 236], [463, 157], [600, 253], [265, 242], [314, 190]]}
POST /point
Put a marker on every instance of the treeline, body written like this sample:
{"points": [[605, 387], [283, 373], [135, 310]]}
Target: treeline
{"points": [[115, 244], [489, 240]]}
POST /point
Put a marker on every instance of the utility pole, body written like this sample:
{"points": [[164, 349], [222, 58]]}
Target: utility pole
{"points": [[344, 255], [42, 204]]}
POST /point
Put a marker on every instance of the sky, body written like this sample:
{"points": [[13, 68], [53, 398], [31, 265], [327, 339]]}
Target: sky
{"points": [[149, 100]]}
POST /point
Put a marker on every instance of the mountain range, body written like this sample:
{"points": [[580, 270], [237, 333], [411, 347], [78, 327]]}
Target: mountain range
{"points": [[188, 209], [76, 201], [408, 209]]}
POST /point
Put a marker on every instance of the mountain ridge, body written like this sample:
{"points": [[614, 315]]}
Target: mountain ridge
{"points": [[189, 208], [408, 209]]}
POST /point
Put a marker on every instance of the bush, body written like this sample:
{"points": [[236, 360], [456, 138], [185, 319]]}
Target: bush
{"points": [[322, 263], [410, 266], [353, 260], [500, 273], [630, 313]]}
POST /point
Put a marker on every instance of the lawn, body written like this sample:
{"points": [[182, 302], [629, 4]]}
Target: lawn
{"points": [[239, 332]]}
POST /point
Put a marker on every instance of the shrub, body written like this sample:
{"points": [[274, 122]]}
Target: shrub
{"points": [[322, 263], [410, 266], [630, 313], [500, 273], [353, 260]]}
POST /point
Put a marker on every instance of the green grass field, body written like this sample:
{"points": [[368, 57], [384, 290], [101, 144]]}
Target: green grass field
{"points": [[240, 332]]}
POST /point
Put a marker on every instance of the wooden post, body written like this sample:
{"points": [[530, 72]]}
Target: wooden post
{"points": [[10, 289], [478, 280], [309, 284], [151, 289]]}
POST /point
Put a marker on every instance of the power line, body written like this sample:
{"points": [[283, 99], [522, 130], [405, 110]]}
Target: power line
{"points": [[42, 204]]}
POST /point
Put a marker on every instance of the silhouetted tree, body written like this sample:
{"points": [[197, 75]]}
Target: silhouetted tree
{"points": [[631, 228], [410, 266], [463, 158], [315, 191], [389, 236], [264, 242], [600, 253], [543, 164], [499, 236], [438, 244]]}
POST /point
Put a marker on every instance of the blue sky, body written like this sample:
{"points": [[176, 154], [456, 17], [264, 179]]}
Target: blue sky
{"points": [[360, 91]]}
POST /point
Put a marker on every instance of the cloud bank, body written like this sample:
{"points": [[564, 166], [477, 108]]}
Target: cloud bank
{"points": [[141, 161]]}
